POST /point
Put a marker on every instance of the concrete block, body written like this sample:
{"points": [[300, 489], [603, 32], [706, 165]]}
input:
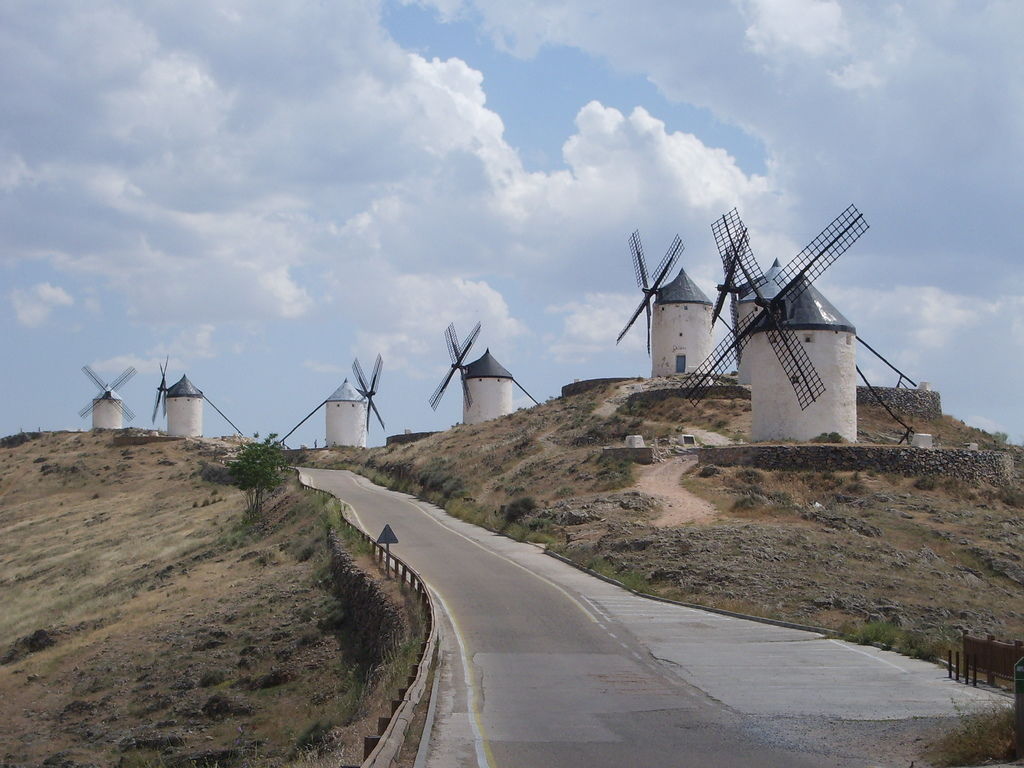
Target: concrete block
{"points": [[921, 440], [634, 441]]}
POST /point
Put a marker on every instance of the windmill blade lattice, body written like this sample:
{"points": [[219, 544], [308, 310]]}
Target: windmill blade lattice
{"points": [[822, 252], [369, 389], [733, 243], [458, 354], [161, 390], [649, 290]]}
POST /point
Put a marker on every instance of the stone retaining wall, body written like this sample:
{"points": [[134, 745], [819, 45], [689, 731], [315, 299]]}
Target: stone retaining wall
{"points": [[586, 385], [971, 466], [407, 437], [923, 403], [371, 620], [717, 392], [637, 455]]}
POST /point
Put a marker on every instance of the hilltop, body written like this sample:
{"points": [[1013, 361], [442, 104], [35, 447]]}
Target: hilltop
{"points": [[928, 555], [145, 623]]}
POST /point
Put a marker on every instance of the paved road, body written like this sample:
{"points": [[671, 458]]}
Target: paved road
{"points": [[543, 665]]}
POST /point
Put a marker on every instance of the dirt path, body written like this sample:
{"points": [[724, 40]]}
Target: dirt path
{"points": [[678, 505]]}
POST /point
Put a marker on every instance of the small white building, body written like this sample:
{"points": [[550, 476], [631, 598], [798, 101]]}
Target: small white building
{"points": [[680, 327], [829, 340], [184, 409], [345, 413], [107, 411], [489, 386]]}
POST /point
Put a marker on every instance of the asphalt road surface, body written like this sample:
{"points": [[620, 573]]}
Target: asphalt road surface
{"points": [[543, 665]]}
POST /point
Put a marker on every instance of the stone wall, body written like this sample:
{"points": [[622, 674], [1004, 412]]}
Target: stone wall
{"points": [[637, 455], [925, 404], [586, 385], [971, 466], [717, 392], [372, 622], [407, 437]]}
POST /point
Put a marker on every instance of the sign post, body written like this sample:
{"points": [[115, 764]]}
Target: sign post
{"points": [[1018, 699], [387, 538]]}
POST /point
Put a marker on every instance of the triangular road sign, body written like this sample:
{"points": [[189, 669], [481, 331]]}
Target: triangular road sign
{"points": [[387, 536]]}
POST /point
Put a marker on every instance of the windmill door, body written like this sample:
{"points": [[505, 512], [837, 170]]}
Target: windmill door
{"points": [[680, 363]]}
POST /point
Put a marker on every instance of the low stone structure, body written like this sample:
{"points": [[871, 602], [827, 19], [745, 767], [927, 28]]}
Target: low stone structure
{"points": [[716, 392], [970, 466], [585, 385], [407, 437], [643, 455], [922, 403]]}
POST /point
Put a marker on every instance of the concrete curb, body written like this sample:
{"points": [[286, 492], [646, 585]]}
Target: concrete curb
{"points": [[722, 611]]}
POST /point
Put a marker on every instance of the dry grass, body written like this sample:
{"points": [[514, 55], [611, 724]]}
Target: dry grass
{"points": [[978, 738], [159, 600]]}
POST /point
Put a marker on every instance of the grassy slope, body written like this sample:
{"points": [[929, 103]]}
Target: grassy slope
{"points": [[931, 557], [178, 630]]}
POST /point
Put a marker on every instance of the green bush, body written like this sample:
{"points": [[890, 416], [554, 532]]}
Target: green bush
{"points": [[519, 508], [828, 437]]}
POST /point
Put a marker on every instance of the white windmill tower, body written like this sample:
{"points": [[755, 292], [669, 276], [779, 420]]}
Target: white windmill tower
{"points": [[347, 415], [680, 327], [107, 408], [792, 340], [486, 384], [183, 406], [184, 403]]}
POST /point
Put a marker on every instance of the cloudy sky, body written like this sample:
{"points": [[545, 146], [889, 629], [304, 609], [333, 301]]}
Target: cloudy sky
{"points": [[263, 190]]}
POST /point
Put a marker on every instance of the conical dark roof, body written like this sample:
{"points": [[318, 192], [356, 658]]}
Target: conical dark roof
{"points": [[682, 290], [813, 312], [346, 393], [184, 388], [487, 368], [770, 285]]}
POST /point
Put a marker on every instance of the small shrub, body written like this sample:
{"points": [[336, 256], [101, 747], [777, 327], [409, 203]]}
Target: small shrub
{"points": [[211, 677], [709, 470], [519, 508], [1012, 497], [979, 737], [877, 632], [314, 735], [925, 483], [748, 475], [216, 473], [828, 437]]}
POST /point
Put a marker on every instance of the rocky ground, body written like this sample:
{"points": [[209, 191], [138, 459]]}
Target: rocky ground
{"points": [[145, 625]]}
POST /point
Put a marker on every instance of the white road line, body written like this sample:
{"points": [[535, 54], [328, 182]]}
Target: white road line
{"points": [[869, 655]]}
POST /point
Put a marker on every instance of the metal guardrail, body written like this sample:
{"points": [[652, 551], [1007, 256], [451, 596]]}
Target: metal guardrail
{"points": [[380, 750]]}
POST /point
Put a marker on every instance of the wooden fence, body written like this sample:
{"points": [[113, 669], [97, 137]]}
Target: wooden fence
{"points": [[992, 658]]}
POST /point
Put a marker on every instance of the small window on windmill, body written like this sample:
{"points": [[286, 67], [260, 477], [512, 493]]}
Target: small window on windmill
{"points": [[686, 308], [808, 338]]}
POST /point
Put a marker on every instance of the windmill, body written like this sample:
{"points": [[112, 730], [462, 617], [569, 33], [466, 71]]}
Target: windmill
{"points": [[369, 390], [787, 316], [108, 409], [161, 391], [486, 383], [642, 280], [347, 414], [457, 351]]}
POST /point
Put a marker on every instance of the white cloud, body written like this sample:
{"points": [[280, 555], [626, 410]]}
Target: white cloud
{"points": [[33, 306], [590, 327], [411, 313], [810, 27]]}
